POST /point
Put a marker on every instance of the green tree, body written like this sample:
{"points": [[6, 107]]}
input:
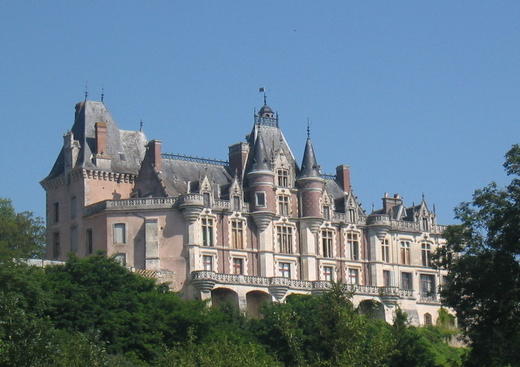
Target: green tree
{"points": [[482, 256], [21, 234]]}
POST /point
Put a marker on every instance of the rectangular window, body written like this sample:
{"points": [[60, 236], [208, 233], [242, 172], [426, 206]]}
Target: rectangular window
{"points": [[406, 281], [207, 232], [285, 270], [284, 239], [238, 266], [236, 203], [260, 199], [326, 243], [405, 252], [385, 251], [425, 224], [283, 205], [353, 276], [73, 205], [89, 242], [326, 212], [427, 285], [237, 233], [426, 254], [56, 209], [206, 199], [120, 258], [283, 178], [119, 233], [74, 239], [56, 245], [353, 244], [328, 273], [207, 262], [351, 215], [386, 278]]}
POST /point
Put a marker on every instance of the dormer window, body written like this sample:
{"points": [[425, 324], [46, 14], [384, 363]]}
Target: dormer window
{"points": [[283, 178], [425, 224], [206, 199], [351, 215], [326, 212], [236, 203]]}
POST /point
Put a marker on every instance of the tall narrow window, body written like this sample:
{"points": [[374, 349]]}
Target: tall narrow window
{"points": [[73, 206], [283, 205], [326, 243], [207, 262], [89, 241], [386, 278], [56, 208], [385, 250], [406, 281], [74, 239], [283, 178], [119, 233], [206, 199], [260, 199], [326, 212], [285, 270], [427, 285], [353, 244], [56, 245], [207, 232], [284, 239], [328, 273], [238, 266], [428, 319], [425, 224], [426, 254], [351, 215], [236, 203], [237, 233], [405, 252], [353, 276]]}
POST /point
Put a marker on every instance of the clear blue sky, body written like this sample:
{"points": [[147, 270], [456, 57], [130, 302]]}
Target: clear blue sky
{"points": [[415, 96]]}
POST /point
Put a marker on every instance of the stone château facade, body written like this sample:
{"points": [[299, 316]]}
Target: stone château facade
{"points": [[255, 228]]}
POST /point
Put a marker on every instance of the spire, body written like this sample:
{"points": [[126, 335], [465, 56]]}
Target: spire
{"points": [[310, 166], [260, 162]]}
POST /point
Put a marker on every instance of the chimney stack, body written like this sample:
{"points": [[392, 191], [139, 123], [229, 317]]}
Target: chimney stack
{"points": [[155, 154], [101, 138], [237, 158], [343, 177]]}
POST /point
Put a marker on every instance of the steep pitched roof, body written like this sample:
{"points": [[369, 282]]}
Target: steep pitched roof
{"points": [[310, 166]]}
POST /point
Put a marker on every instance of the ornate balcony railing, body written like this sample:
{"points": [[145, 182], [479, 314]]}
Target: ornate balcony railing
{"points": [[305, 285]]}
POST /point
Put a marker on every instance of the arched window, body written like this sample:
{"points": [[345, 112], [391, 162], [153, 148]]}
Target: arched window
{"points": [[428, 319]]}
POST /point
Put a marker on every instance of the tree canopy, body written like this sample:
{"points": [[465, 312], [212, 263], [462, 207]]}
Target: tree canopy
{"points": [[482, 256]]}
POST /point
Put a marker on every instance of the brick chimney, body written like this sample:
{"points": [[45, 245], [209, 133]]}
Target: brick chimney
{"points": [[101, 138], [154, 147], [238, 158], [343, 177]]}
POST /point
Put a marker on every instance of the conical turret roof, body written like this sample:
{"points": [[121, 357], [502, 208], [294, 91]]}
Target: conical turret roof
{"points": [[260, 162], [310, 166]]}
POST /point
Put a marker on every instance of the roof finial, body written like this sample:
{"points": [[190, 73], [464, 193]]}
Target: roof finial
{"points": [[141, 123], [102, 93], [86, 90], [422, 196], [262, 90], [308, 128]]}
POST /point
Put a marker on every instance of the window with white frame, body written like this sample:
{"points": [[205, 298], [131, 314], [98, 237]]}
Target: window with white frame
{"points": [[238, 266], [425, 224], [405, 252], [328, 273], [236, 203], [119, 233], [260, 199], [207, 262], [351, 215], [353, 276], [237, 233], [283, 205], [385, 250], [326, 212], [427, 282], [283, 177], [285, 270], [406, 281], [284, 235], [353, 244], [326, 242], [426, 254], [207, 231]]}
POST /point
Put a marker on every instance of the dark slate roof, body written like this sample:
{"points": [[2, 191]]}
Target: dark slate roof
{"points": [[175, 174], [265, 109], [260, 161], [127, 148], [333, 189], [310, 166]]}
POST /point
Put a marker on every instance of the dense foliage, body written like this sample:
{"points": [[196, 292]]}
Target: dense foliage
{"points": [[482, 257], [94, 312]]}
